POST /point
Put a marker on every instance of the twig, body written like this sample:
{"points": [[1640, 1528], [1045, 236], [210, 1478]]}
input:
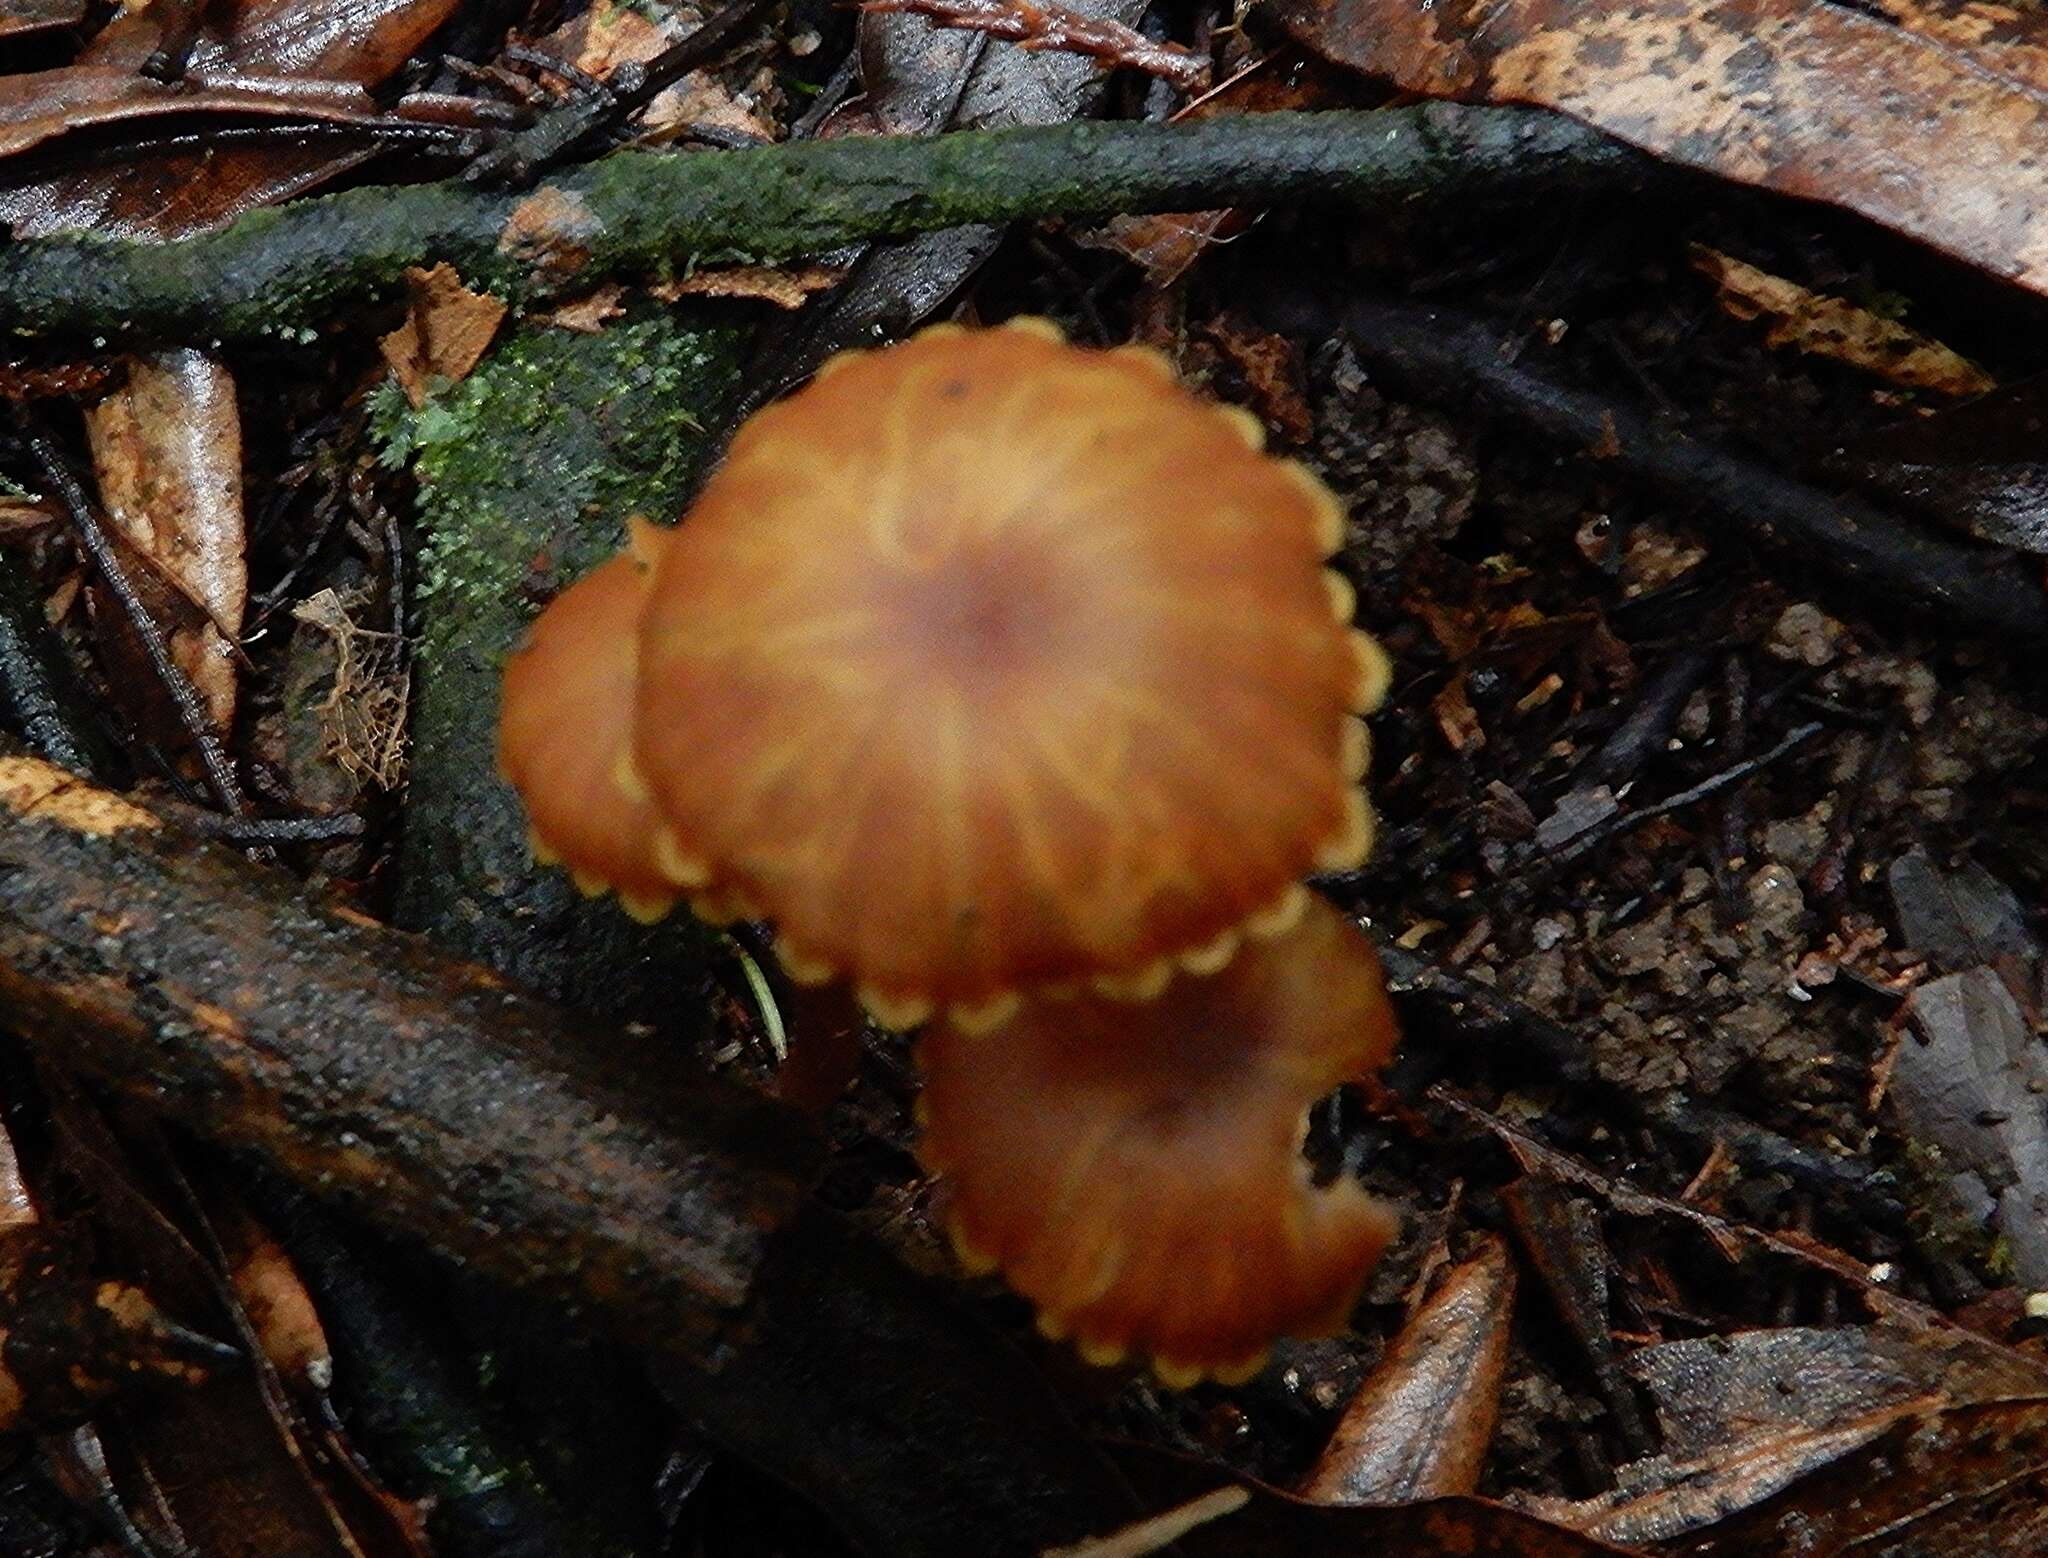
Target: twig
{"points": [[1731, 853], [220, 774], [278, 830], [36, 688], [1440, 355], [1040, 24], [277, 273], [1549, 1048], [1544, 866], [599, 108]]}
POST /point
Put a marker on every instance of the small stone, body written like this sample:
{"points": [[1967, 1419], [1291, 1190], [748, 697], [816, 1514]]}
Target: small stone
{"points": [[1806, 635]]}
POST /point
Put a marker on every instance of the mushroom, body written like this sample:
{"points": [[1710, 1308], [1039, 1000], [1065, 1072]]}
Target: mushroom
{"points": [[1136, 1171], [986, 662], [1007, 678], [564, 734]]}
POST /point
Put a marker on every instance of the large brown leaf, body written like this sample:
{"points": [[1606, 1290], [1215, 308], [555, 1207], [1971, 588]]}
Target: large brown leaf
{"points": [[1931, 119], [284, 61]]}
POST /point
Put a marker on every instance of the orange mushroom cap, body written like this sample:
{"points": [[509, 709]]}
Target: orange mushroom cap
{"points": [[986, 662], [1136, 1170], [564, 732]]}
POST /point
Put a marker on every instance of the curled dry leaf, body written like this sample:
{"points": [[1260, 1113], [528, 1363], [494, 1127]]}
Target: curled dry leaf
{"points": [[446, 331], [590, 312], [1927, 119], [1420, 1425], [1833, 327], [167, 447]]}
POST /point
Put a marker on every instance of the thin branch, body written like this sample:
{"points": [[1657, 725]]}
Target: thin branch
{"points": [[1626, 821], [1447, 357], [1037, 25], [277, 273], [213, 759]]}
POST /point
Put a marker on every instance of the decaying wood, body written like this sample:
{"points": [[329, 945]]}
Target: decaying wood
{"points": [[358, 1060], [588, 1166]]}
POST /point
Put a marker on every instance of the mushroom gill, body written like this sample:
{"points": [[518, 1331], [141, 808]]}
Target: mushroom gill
{"points": [[1136, 1170], [986, 663]]}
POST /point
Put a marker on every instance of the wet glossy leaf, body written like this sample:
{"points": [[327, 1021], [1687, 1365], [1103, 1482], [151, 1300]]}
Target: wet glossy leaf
{"points": [[167, 447], [1420, 1425], [1928, 118]]}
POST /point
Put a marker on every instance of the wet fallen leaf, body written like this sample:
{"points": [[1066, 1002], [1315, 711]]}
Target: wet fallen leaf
{"points": [[1833, 327], [1967, 1482], [1561, 1233], [1421, 1423], [1969, 1087], [1272, 370], [167, 447], [1927, 119], [281, 60], [1959, 917], [446, 331], [21, 18], [1748, 1415], [229, 1466]]}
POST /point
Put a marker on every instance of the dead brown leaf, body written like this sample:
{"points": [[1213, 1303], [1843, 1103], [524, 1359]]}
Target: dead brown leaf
{"points": [[1456, 719], [1833, 327], [1272, 370], [1421, 1423], [446, 331], [282, 60], [546, 232], [25, 516], [1928, 119], [786, 286], [1749, 1415], [167, 447], [589, 313], [21, 18], [610, 35]]}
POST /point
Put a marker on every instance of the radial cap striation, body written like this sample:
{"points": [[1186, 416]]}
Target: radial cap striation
{"points": [[986, 663], [1136, 1171]]}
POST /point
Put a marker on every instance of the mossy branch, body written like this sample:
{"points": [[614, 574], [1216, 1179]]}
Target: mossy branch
{"points": [[282, 272]]}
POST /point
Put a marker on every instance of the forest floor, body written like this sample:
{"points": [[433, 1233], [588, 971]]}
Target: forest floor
{"points": [[1702, 525]]}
